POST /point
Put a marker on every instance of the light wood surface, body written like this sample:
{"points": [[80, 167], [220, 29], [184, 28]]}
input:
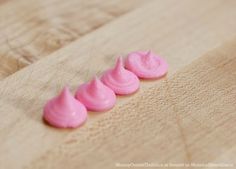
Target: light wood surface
{"points": [[186, 117], [37, 28]]}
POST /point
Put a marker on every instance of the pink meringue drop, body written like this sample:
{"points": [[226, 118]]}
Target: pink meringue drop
{"points": [[146, 65], [120, 80], [64, 111], [96, 96]]}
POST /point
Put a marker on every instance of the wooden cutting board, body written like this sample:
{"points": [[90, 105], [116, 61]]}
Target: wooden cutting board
{"points": [[186, 117], [41, 27]]}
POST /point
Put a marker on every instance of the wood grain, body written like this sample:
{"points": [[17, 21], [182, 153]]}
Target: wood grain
{"points": [[187, 118], [38, 28], [179, 32]]}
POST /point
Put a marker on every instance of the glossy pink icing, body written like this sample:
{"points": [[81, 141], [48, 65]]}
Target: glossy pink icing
{"points": [[64, 111], [146, 65], [96, 96], [120, 80]]}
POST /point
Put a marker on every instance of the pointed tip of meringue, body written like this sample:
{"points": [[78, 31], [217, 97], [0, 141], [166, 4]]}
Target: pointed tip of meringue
{"points": [[148, 58], [65, 95], [65, 89], [119, 66], [95, 83], [119, 62], [95, 79], [148, 53]]}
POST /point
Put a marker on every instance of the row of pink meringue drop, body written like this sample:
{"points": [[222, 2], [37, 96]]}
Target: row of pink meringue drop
{"points": [[67, 111]]}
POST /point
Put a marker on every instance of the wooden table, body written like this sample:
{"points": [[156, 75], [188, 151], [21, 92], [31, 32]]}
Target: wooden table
{"points": [[187, 117]]}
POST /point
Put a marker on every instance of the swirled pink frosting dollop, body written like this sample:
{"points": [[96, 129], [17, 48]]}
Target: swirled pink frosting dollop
{"points": [[96, 96], [120, 80], [64, 111], [146, 65]]}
